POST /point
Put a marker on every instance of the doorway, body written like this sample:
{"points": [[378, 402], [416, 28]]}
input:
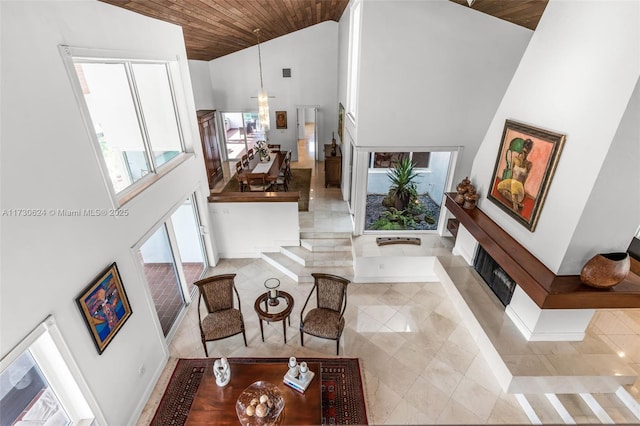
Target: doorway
{"points": [[240, 132], [173, 257], [307, 128]]}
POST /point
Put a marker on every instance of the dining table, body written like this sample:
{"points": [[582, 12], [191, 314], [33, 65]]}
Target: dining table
{"points": [[271, 167]]}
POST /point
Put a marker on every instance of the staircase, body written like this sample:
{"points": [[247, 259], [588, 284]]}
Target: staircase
{"points": [[326, 252], [581, 408]]}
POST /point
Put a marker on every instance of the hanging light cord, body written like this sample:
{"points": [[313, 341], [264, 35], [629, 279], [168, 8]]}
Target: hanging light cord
{"points": [[257, 33]]}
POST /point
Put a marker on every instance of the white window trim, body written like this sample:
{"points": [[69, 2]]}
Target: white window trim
{"points": [[61, 371], [70, 53]]}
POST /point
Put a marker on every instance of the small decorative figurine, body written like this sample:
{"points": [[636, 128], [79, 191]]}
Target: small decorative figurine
{"points": [[221, 372], [333, 145], [293, 367], [462, 188], [470, 198]]}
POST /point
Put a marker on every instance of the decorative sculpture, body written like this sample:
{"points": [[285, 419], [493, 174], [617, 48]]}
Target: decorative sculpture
{"points": [[606, 270], [470, 198], [462, 188], [222, 372]]}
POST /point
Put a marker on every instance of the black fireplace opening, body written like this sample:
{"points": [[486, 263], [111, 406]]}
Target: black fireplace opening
{"points": [[496, 278]]}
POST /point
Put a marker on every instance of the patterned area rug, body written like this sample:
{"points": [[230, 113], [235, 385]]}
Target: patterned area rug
{"points": [[300, 181], [342, 392]]}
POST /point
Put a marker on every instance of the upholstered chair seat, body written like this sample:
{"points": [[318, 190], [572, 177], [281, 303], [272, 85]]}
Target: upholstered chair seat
{"points": [[221, 324], [326, 320], [222, 319], [324, 323]]}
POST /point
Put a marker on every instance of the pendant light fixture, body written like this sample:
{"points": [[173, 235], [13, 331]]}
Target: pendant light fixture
{"points": [[263, 98]]}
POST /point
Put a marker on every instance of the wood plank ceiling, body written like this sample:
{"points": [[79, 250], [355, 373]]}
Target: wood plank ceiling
{"points": [[214, 28], [525, 13]]}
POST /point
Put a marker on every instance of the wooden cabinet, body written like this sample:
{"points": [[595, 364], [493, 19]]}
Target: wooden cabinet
{"points": [[210, 147], [332, 166]]}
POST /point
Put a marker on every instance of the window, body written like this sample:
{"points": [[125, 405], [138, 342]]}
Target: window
{"points": [[39, 383], [385, 160], [354, 60], [132, 110]]}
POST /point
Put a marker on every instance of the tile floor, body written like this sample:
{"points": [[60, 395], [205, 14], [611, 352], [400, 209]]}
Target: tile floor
{"points": [[420, 364]]}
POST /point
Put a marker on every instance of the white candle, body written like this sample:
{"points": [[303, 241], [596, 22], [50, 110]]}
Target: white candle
{"points": [[272, 293]]}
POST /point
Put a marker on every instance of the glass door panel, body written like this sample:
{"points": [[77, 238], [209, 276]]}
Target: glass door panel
{"points": [[186, 227], [160, 270], [241, 131]]}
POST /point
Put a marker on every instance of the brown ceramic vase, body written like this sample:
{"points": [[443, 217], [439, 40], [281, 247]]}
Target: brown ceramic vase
{"points": [[605, 270]]}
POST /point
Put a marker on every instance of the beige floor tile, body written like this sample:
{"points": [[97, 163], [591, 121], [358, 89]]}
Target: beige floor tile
{"points": [[420, 363], [475, 398]]}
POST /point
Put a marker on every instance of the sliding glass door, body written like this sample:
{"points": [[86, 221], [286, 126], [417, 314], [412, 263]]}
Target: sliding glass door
{"points": [[241, 131], [173, 257]]}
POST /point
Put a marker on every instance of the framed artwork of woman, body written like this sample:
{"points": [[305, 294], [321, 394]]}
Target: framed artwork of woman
{"points": [[281, 119], [526, 162]]}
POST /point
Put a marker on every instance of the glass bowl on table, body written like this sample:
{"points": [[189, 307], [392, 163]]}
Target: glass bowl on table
{"points": [[261, 403]]}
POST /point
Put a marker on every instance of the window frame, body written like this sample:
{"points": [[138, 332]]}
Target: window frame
{"points": [[73, 55], [60, 370]]}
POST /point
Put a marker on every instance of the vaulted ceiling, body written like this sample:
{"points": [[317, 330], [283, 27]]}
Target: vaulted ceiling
{"points": [[214, 28]]}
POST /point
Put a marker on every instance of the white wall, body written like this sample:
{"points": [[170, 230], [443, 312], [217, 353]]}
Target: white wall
{"points": [[201, 81], [432, 73], [575, 78], [48, 163], [244, 230], [311, 53], [593, 233]]}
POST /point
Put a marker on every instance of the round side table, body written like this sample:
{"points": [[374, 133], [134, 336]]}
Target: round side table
{"points": [[282, 311]]}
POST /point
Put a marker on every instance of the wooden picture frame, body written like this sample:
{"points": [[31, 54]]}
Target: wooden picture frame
{"points": [[104, 306], [524, 168], [281, 119], [340, 122]]}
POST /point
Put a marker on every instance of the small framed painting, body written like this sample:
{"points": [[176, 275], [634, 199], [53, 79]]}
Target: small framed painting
{"points": [[526, 162], [104, 306], [340, 121], [281, 119]]}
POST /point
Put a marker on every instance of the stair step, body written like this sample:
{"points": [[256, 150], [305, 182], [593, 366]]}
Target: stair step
{"points": [[630, 400], [597, 409], [564, 413], [578, 408], [615, 408], [300, 273], [326, 244], [543, 409], [309, 258], [324, 234]]}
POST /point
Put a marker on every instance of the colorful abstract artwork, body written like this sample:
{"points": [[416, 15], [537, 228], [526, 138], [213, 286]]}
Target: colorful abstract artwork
{"points": [[104, 306]]}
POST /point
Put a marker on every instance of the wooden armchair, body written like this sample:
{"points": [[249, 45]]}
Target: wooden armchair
{"points": [[222, 319], [327, 319]]}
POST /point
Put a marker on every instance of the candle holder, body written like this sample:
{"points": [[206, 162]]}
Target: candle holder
{"points": [[272, 285]]}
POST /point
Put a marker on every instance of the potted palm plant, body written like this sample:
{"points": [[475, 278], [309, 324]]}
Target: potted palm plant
{"points": [[403, 186]]}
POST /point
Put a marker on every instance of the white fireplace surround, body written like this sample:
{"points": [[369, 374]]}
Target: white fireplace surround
{"points": [[534, 323]]}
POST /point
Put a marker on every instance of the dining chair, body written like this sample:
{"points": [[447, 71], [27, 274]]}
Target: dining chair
{"points": [[245, 161], [222, 319], [250, 154], [285, 170], [281, 181], [326, 320], [274, 147], [241, 177], [257, 182]]}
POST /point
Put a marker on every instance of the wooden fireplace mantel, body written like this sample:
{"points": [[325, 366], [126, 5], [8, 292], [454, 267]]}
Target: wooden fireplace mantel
{"points": [[546, 289]]}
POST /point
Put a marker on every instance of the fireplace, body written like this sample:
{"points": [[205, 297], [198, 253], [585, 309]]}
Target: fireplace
{"points": [[496, 278]]}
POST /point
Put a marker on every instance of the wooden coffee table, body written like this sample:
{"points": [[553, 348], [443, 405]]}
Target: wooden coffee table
{"points": [[280, 312], [215, 405]]}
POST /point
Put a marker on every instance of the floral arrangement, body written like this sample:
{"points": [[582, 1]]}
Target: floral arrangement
{"points": [[261, 148]]}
